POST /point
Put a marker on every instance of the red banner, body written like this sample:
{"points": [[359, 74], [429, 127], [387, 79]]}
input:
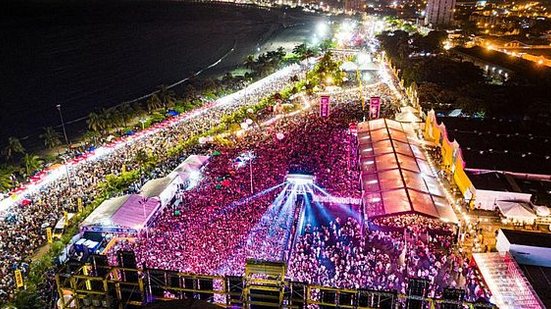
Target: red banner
{"points": [[324, 106], [374, 107]]}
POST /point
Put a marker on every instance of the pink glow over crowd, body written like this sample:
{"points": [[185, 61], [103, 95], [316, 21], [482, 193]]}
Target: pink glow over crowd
{"points": [[217, 227]]}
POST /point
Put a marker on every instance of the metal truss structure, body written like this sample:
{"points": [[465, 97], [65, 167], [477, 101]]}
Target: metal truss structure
{"points": [[263, 286]]}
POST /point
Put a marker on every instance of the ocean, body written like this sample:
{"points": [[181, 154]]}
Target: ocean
{"points": [[87, 55]]}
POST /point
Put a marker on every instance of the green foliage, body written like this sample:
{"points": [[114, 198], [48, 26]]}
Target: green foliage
{"points": [[13, 148], [51, 137], [31, 163], [29, 299], [326, 72], [5, 180], [114, 185]]}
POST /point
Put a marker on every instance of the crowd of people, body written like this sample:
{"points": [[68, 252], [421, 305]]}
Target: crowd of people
{"points": [[220, 226], [338, 253], [241, 210], [23, 229]]}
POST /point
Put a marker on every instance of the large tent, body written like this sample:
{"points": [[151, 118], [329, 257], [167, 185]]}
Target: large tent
{"points": [[509, 287], [515, 210], [131, 213], [165, 188], [125, 214], [192, 163], [395, 175]]}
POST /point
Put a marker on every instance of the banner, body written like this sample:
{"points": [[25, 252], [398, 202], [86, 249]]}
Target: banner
{"points": [[336, 199], [324, 106], [66, 217], [374, 107], [18, 278], [49, 235], [79, 204]]}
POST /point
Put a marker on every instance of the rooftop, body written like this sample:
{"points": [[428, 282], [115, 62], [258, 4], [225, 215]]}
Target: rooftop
{"points": [[533, 239], [540, 278], [396, 176], [503, 145], [526, 68], [491, 181]]}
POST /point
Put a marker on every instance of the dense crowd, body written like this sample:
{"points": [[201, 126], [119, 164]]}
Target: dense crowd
{"points": [[220, 226], [215, 226], [339, 253], [23, 229]]}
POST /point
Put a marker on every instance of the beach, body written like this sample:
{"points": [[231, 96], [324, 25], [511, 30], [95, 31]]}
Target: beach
{"points": [[91, 55]]}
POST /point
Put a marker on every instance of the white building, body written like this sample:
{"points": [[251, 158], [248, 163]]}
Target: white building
{"points": [[439, 12]]}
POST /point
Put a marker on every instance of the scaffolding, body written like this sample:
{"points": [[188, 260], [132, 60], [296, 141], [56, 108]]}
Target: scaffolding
{"points": [[91, 286]]}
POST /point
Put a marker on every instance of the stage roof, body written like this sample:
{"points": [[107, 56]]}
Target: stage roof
{"points": [[191, 163], [509, 287], [128, 212], [396, 177]]}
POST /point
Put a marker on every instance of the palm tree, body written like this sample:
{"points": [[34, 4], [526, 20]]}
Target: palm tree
{"points": [[112, 118], [300, 50], [153, 103], [91, 137], [5, 180], [95, 122], [125, 111], [31, 163], [51, 137], [249, 62], [14, 147], [167, 96], [189, 92]]}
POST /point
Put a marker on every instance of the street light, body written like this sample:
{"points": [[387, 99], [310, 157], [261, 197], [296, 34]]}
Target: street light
{"points": [[142, 121], [58, 106], [142, 202], [249, 156], [69, 183]]}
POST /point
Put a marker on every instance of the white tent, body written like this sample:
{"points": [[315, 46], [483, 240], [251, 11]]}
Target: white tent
{"points": [[349, 66], [542, 211], [516, 211], [103, 213]]}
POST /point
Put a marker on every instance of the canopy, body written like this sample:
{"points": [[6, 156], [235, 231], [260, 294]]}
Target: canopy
{"points": [[396, 177], [516, 210], [155, 187], [191, 163], [509, 287], [103, 213], [127, 214], [542, 211]]}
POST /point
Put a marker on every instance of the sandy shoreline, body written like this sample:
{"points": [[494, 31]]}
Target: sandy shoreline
{"points": [[90, 61]]}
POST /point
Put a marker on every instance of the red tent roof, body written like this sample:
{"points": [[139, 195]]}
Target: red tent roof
{"points": [[396, 177]]}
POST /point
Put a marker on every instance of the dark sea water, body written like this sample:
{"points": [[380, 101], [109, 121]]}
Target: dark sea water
{"points": [[88, 55]]}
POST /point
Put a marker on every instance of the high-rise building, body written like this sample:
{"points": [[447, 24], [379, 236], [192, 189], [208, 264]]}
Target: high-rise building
{"points": [[439, 12], [354, 5]]}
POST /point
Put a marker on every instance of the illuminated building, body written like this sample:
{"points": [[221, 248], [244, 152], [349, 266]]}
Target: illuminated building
{"points": [[439, 12]]}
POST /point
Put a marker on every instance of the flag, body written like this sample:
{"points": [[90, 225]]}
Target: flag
{"points": [[49, 235], [18, 278]]}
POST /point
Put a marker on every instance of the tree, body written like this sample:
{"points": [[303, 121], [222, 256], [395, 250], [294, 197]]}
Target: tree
{"points": [[14, 147], [125, 111], [5, 180], [111, 117], [250, 62], [91, 137], [167, 96], [300, 50], [153, 103], [31, 163], [96, 122], [51, 137], [189, 92]]}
